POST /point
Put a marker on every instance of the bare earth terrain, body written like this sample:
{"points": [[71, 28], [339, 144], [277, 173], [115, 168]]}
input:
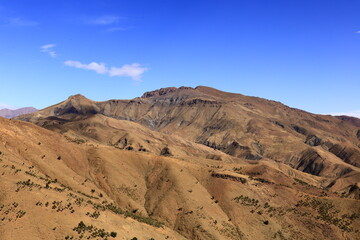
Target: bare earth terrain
{"points": [[179, 163]]}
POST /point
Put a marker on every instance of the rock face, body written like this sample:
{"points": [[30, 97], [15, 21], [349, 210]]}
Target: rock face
{"points": [[313, 140], [8, 113], [348, 155], [300, 130], [159, 92], [309, 161], [354, 191], [235, 149]]}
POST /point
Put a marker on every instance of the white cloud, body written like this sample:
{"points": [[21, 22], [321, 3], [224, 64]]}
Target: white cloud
{"points": [[358, 32], [104, 20], [355, 113], [94, 66], [48, 46], [48, 49], [134, 70]]}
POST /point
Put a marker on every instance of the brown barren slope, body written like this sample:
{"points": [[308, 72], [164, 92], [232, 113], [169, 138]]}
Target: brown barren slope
{"points": [[191, 163]]}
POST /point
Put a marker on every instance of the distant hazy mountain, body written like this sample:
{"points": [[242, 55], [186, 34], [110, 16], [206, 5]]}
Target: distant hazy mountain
{"points": [[8, 113]]}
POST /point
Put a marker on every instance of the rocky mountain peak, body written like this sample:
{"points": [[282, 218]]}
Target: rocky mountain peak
{"points": [[164, 91], [77, 97]]}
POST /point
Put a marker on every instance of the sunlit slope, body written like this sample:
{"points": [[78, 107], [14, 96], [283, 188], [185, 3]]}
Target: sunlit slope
{"points": [[239, 126], [203, 164]]}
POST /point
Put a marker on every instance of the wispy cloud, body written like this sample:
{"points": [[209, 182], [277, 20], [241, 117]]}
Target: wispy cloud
{"points": [[358, 32], [355, 113], [94, 66], [116, 29], [2, 106], [134, 70], [19, 22], [48, 48], [104, 20]]}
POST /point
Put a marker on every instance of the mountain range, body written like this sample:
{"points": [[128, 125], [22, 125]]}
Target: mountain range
{"points": [[179, 163], [11, 113]]}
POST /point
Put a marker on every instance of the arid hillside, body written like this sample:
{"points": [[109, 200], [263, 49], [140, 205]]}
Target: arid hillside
{"points": [[239, 126], [179, 163]]}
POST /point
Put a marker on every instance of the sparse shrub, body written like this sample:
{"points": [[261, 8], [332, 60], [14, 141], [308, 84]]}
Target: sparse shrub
{"points": [[165, 152], [237, 170], [95, 214], [246, 201], [262, 180], [147, 220]]}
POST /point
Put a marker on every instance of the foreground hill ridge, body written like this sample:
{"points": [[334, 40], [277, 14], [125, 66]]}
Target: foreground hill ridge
{"points": [[181, 163]]}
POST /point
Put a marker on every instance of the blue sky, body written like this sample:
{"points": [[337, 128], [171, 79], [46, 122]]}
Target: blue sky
{"points": [[305, 53]]}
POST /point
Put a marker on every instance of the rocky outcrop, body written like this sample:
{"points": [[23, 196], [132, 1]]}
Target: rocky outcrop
{"points": [[195, 101], [313, 140], [299, 129], [308, 161], [159, 92], [165, 152], [279, 124], [212, 145], [237, 150], [163, 91], [348, 155], [358, 134], [352, 191]]}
